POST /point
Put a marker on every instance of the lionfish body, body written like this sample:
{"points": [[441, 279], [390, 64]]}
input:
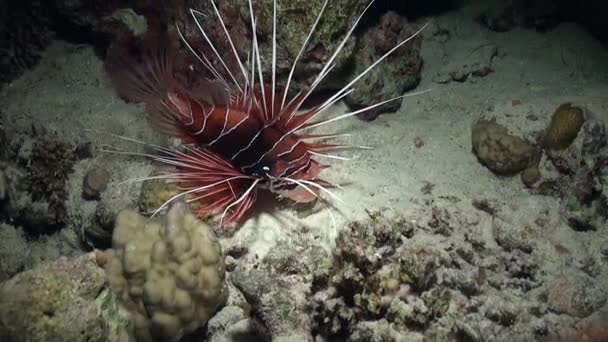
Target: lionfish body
{"points": [[240, 135]]}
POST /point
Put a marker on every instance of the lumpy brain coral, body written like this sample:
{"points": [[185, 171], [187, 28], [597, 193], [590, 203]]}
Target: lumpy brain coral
{"points": [[168, 274]]}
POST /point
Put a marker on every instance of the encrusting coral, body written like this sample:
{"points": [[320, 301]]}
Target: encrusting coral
{"points": [[169, 275]]}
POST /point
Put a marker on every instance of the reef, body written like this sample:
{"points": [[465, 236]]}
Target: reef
{"points": [[375, 275], [63, 300], [295, 18], [581, 180], [434, 275], [34, 176], [403, 65], [567, 159], [277, 287]]}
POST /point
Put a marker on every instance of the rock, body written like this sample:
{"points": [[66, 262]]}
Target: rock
{"points": [[502, 152], [14, 251], [543, 15], [95, 182], [403, 65], [477, 62], [278, 291], [576, 295], [25, 28], [532, 174], [499, 17], [10, 180], [512, 236], [595, 137], [564, 127], [64, 300]]}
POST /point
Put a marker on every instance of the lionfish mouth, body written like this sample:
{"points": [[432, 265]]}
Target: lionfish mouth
{"points": [[238, 124]]}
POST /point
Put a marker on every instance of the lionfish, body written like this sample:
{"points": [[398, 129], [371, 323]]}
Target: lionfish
{"points": [[239, 133]]}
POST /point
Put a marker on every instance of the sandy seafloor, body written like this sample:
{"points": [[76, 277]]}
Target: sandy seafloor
{"points": [[69, 93]]}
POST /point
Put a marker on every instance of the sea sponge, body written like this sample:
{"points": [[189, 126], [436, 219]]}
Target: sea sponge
{"points": [[564, 127], [168, 274], [501, 152]]}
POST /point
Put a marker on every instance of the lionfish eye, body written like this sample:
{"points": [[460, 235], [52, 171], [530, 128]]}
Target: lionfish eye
{"points": [[262, 171]]}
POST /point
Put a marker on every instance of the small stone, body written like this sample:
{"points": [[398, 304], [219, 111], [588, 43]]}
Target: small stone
{"points": [[95, 182], [575, 295]]}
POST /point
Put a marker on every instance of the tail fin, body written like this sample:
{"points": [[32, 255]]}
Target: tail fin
{"points": [[141, 68]]}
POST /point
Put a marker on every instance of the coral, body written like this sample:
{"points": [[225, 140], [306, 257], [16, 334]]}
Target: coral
{"points": [[400, 72], [64, 300], [583, 177], [437, 274], [47, 162], [277, 288], [169, 275], [564, 127], [19, 252], [504, 153], [295, 19], [375, 274], [24, 33]]}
